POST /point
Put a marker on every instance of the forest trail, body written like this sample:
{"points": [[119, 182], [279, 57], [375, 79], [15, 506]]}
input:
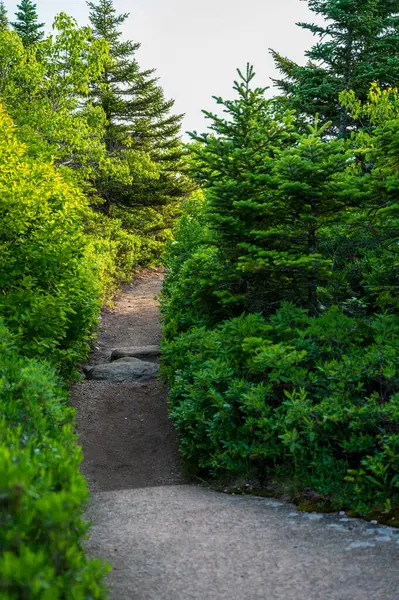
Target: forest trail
{"points": [[168, 540]]}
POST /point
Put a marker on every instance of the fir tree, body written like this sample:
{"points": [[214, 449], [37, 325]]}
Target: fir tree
{"points": [[3, 16], [139, 118], [27, 25], [311, 191], [357, 44], [234, 164], [271, 193]]}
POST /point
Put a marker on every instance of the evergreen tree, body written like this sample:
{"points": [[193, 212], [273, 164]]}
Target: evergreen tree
{"points": [[358, 44], [139, 119], [3, 15], [234, 164], [27, 25], [311, 191], [271, 192]]}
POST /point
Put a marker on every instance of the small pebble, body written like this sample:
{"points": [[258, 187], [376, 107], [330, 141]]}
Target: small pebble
{"points": [[336, 527], [313, 516], [345, 520], [342, 513], [373, 522], [293, 514], [382, 538], [359, 544], [273, 503]]}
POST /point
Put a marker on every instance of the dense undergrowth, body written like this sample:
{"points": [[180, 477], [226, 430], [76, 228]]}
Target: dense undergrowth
{"points": [[42, 491], [281, 324], [50, 300], [65, 248]]}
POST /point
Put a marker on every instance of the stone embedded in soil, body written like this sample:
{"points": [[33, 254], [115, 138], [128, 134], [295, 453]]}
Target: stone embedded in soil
{"points": [[124, 369], [136, 352]]}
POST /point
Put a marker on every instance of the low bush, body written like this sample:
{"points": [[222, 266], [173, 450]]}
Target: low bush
{"points": [[49, 304], [314, 399], [42, 493], [49, 291], [200, 283], [113, 251]]}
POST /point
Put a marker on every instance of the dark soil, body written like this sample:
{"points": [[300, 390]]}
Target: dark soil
{"points": [[127, 438]]}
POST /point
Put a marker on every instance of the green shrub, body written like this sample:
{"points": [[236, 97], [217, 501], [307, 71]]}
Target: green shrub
{"points": [[42, 493], [315, 399], [113, 251], [200, 285], [49, 293]]}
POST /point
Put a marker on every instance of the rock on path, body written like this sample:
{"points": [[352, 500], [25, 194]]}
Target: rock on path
{"points": [[123, 369], [184, 542]]}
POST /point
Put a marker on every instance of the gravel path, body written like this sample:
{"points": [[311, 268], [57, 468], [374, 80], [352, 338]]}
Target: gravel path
{"points": [[171, 541]]}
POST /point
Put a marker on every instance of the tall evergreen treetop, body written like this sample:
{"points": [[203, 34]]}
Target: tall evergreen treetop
{"points": [[358, 43], [139, 117], [27, 25], [3, 15]]}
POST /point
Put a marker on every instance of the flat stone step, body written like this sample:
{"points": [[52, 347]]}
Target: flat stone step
{"points": [[136, 352], [124, 369]]}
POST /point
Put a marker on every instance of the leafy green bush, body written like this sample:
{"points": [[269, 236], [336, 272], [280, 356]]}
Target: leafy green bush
{"points": [[49, 290], [113, 251], [42, 493], [312, 398]]}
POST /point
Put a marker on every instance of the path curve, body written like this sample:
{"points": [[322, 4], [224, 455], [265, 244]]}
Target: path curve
{"points": [[171, 541]]}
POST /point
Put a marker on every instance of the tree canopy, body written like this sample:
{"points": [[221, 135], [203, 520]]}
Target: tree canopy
{"points": [[27, 24], [358, 42]]}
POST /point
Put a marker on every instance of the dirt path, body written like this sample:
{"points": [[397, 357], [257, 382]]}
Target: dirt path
{"points": [[127, 438], [183, 542]]}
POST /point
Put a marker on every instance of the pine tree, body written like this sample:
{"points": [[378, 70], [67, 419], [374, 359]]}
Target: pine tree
{"points": [[139, 119], [357, 44], [3, 16], [311, 191], [234, 161], [271, 193], [27, 25], [234, 164]]}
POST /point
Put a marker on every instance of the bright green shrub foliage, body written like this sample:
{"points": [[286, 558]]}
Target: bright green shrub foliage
{"points": [[48, 290], [308, 397], [42, 493], [114, 251]]}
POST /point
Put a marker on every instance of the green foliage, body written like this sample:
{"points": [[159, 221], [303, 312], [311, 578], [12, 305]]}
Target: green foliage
{"points": [[306, 390], [42, 493], [272, 194], [313, 398], [3, 16], [45, 90], [49, 291], [356, 44], [42, 89], [27, 25], [139, 123], [112, 251], [200, 283]]}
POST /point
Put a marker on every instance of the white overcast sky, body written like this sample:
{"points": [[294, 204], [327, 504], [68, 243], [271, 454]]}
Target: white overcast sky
{"points": [[196, 45]]}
